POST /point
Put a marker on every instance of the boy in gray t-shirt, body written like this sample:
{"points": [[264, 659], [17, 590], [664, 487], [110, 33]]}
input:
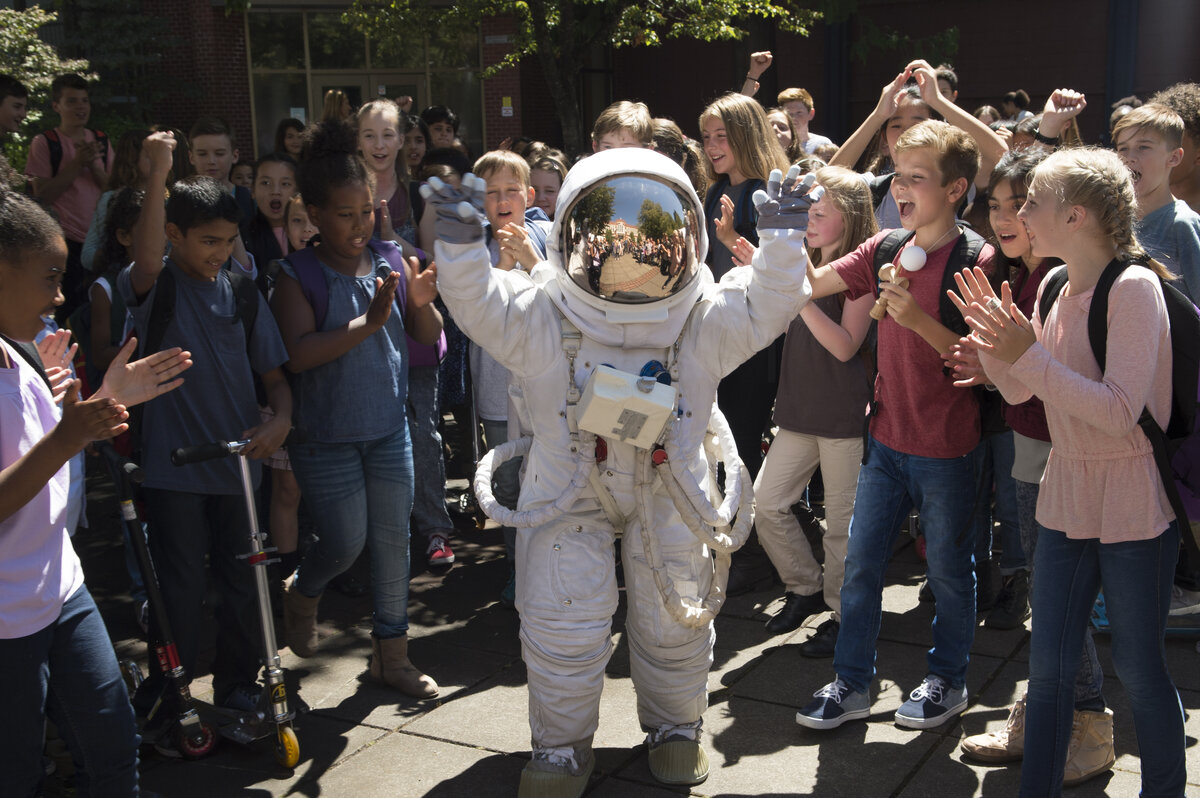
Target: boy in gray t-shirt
{"points": [[197, 510]]}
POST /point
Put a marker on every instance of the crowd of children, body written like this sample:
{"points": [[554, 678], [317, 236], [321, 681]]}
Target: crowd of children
{"points": [[299, 291]]}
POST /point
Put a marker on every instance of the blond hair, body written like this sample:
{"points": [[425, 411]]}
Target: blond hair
{"points": [[852, 197], [498, 160], [332, 110], [956, 152], [1159, 118], [1096, 179], [624, 115], [755, 148]]}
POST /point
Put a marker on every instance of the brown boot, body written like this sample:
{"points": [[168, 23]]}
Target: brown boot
{"points": [[390, 665], [299, 619], [1090, 751], [1006, 745]]}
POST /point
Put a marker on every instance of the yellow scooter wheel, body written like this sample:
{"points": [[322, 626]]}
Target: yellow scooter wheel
{"points": [[287, 747]]}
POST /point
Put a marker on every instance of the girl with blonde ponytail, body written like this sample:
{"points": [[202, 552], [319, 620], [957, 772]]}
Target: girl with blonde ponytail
{"points": [[1103, 514]]}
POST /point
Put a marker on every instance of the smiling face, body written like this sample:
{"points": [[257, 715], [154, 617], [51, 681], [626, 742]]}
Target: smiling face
{"points": [[204, 248], [345, 221], [273, 187], [31, 287], [545, 186], [380, 140], [909, 113], [300, 228], [716, 147], [74, 107], [826, 225], [13, 111], [293, 142], [1045, 220], [1148, 158], [918, 190], [506, 199], [1003, 206], [783, 130], [213, 155]]}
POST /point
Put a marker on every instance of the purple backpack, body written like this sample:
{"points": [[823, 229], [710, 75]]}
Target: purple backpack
{"points": [[315, 286]]}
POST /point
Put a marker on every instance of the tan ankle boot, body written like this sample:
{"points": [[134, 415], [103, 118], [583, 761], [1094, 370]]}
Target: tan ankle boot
{"points": [[1090, 751], [299, 619], [390, 665], [1006, 745]]}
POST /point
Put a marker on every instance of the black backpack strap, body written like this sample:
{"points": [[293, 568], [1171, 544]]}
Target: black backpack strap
{"points": [[54, 143], [162, 311], [889, 247], [29, 353], [1052, 286], [964, 256], [245, 297], [1098, 314]]}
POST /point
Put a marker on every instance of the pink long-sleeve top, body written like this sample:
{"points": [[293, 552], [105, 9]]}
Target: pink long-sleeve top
{"points": [[1101, 480]]}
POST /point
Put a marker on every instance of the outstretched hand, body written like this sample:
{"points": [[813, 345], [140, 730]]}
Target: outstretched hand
{"points": [[458, 212], [142, 380], [84, 421], [785, 203]]}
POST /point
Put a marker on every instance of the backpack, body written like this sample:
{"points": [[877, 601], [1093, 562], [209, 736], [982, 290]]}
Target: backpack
{"points": [[29, 353], [80, 325], [56, 148], [315, 285], [1177, 448]]}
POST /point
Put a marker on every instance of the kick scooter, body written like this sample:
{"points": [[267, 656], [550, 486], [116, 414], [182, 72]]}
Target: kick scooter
{"points": [[274, 712]]}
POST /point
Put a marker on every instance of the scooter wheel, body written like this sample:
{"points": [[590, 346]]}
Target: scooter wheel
{"points": [[287, 747], [200, 746]]}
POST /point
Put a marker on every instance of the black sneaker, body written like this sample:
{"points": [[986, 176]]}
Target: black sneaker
{"points": [[796, 610], [823, 642], [1012, 604]]}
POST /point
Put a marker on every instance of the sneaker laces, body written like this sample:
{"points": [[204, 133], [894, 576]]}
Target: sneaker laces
{"points": [[558, 757], [436, 543], [933, 688], [837, 690]]}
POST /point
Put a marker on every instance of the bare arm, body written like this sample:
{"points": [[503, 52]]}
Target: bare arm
{"points": [[853, 148], [825, 281], [841, 340], [991, 146], [308, 347], [149, 234], [48, 189]]}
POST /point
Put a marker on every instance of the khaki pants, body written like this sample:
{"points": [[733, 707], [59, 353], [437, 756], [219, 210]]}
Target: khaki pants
{"points": [[785, 474]]}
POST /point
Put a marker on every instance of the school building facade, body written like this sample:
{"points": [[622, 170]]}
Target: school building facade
{"points": [[279, 58]]}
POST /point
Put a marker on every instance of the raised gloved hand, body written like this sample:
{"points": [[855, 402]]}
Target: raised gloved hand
{"points": [[785, 203], [458, 212]]}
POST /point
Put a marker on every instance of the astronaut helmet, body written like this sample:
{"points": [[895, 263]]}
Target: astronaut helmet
{"points": [[629, 230]]}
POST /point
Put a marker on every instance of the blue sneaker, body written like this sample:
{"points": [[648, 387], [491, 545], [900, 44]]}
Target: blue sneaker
{"points": [[933, 703], [834, 704]]}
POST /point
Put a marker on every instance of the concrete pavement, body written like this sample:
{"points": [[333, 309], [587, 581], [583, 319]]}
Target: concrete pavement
{"points": [[361, 740]]}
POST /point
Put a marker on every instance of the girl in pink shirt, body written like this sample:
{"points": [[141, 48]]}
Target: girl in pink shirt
{"points": [[1103, 514]]}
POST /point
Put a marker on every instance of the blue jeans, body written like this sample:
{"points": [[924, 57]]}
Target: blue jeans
{"points": [[68, 672], [890, 484], [997, 464], [1136, 576], [429, 514], [360, 494]]}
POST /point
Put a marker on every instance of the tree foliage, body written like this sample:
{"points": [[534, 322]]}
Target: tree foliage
{"points": [[560, 33], [34, 62]]}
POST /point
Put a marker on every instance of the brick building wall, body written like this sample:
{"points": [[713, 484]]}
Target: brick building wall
{"points": [[209, 66], [507, 84]]}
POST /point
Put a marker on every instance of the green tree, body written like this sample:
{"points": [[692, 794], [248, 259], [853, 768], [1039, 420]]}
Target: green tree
{"points": [[560, 33], [593, 212], [653, 222], [25, 56]]}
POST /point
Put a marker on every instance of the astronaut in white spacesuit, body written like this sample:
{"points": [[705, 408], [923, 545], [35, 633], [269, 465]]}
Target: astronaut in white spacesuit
{"points": [[616, 344]]}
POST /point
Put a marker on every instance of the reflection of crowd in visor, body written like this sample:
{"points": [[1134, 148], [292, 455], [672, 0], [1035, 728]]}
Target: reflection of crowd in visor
{"points": [[666, 250]]}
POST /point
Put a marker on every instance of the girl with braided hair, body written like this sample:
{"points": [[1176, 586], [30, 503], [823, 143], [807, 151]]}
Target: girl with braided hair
{"points": [[1103, 514]]}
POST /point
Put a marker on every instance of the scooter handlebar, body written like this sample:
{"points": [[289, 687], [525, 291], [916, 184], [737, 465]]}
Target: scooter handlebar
{"points": [[201, 452]]}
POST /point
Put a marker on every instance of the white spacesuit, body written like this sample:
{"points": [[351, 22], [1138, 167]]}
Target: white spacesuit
{"points": [[623, 305]]}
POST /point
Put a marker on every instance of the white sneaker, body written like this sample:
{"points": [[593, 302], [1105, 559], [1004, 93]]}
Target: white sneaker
{"points": [[1184, 602]]}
